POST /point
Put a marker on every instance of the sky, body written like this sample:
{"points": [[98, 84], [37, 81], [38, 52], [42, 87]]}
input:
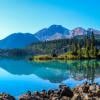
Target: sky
{"points": [[33, 15]]}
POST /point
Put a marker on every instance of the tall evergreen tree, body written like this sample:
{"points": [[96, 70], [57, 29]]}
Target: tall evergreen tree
{"points": [[74, 47], [93, 46], [87, 46], [92, 41], [79, 49]]}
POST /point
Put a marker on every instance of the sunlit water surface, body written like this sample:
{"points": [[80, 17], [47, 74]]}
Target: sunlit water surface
{"points": [[18, 76]]}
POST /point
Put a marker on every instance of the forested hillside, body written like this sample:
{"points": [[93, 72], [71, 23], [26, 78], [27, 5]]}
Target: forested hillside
{"points": [[61, 45]]}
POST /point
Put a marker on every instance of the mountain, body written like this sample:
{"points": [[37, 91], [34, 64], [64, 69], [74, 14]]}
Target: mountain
{"points": [[55, 32], [96, 32], [79, 31], [17, 40], [52, 33]]}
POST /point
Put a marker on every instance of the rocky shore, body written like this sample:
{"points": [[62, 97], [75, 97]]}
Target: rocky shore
{"points": [[85, 91], [5, 96]]}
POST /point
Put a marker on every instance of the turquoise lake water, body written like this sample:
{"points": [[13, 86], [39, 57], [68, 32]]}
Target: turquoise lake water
{"points": [[18, 76]]}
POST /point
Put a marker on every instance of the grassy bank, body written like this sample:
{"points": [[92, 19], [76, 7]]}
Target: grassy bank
{"points": [[65, 56], [41, 57]]}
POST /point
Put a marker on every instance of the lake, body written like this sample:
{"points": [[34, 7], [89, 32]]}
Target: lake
{"points": [[18, 76]]}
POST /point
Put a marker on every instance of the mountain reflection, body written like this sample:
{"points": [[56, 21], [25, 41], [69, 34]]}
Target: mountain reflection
{"points": [[54, 71]]}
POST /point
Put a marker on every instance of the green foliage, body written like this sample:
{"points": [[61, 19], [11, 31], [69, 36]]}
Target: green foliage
{"points": [[74, 48], [88, 50], [42, 57], [48, 47]]}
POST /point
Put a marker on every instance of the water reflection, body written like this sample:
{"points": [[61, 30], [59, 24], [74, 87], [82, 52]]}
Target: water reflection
{"points": [[54, 71], [89, 69], [18, 76]]}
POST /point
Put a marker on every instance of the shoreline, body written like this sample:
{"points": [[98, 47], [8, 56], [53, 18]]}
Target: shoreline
{"points": [[60, 57], [85, 91]]}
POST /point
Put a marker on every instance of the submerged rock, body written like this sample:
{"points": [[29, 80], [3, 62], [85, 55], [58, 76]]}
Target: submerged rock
{"points": [[4, 96]]}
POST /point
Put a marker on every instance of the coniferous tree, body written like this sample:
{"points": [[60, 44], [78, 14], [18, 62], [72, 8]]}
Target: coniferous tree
{"points": [[92, 40], [79, 49], [74, 47], [85, 38], [93, 47], [87, 47]]}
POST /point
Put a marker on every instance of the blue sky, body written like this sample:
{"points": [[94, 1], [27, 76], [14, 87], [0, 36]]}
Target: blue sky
{"points": [[33, 15]]}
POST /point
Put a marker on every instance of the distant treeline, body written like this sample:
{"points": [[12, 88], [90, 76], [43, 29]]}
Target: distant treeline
{"points": [[64, 45], [85, 45]]}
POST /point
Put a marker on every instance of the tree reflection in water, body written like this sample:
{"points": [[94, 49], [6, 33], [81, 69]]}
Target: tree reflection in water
{"points": [[88, 69], [54, 71]]}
